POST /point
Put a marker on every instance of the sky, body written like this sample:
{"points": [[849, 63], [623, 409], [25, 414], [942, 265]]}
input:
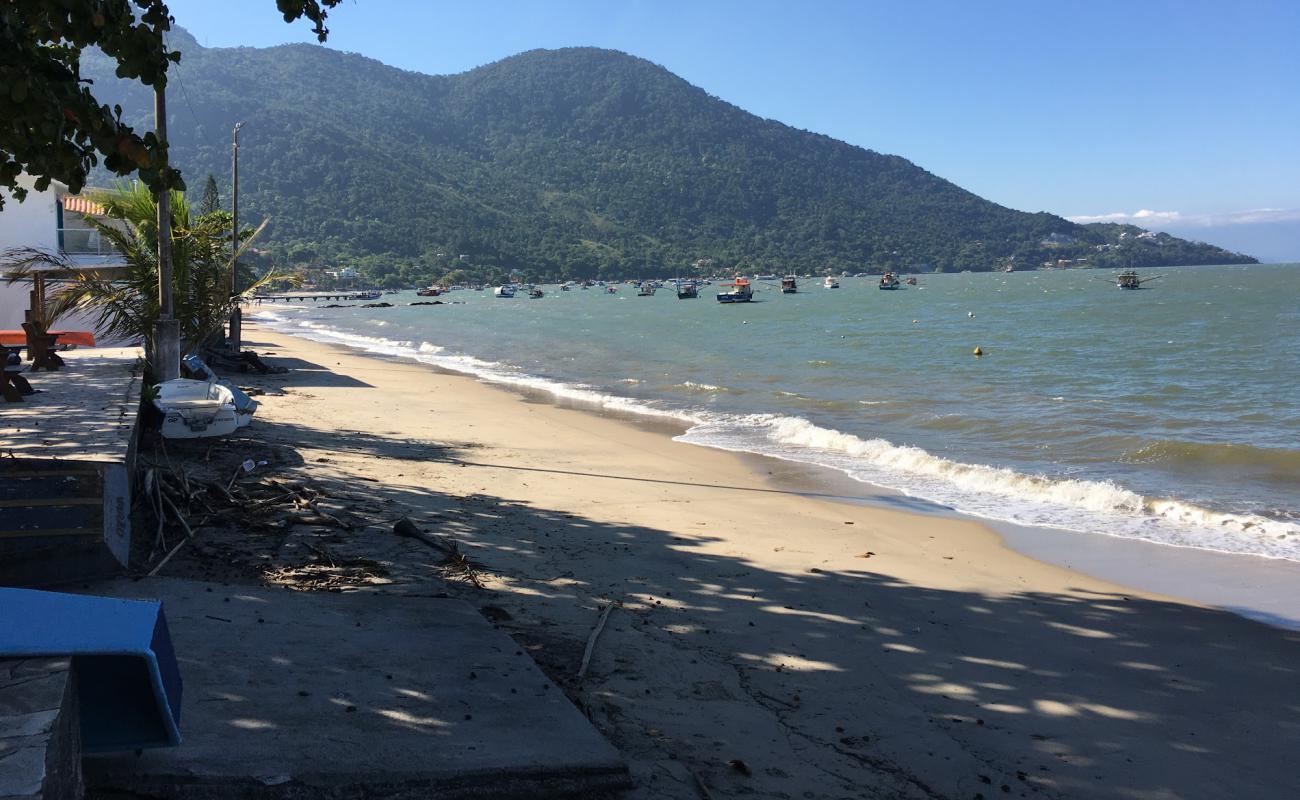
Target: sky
{"points": [[1183, 116]]}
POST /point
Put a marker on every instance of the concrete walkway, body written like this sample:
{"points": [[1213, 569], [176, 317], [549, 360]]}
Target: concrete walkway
{"points": [[40, 752], [294, 694]]}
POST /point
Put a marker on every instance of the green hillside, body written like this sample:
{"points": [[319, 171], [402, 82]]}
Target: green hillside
{"points": [[576, 163]]}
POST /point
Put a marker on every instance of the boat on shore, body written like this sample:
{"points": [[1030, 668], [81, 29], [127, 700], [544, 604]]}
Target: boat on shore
{"points": [[193, 409], [504, 290], [737, 291], [888, 281], [789, 285], [830, 282]]}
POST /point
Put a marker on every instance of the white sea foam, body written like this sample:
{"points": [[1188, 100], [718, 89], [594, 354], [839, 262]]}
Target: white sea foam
{"points": [[1001, 493], [987, 491], [701, 387], [487, 371]]}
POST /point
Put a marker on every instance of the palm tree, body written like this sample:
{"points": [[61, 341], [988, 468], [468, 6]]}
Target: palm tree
{"points": [[124, 303]]}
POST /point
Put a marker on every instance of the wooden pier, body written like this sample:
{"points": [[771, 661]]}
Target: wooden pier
{"points": [[315, 296]]}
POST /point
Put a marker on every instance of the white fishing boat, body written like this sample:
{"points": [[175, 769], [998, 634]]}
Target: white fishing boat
{"points": [[504, 290], [830, 283], [194, 409]]}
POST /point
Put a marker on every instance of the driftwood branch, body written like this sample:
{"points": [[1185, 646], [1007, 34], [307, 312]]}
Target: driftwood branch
{"points": [[591, 640], [451, 552]]}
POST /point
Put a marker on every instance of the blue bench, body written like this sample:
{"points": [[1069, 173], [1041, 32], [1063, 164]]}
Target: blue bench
{"points": [[128, 682]]}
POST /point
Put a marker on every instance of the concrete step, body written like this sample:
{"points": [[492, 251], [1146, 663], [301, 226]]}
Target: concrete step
{"points": [[62, 521], [313, 694]]}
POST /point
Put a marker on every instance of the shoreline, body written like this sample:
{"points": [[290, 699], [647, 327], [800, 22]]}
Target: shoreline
{"points": [[1257, 587], [835, 647]]}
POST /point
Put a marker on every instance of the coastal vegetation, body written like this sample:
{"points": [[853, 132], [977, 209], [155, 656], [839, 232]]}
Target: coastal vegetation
{"points": [[54, 123], [124, 301], [574, 163]]}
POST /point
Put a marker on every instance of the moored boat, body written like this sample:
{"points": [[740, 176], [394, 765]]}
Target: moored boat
{"points": [[504, 290], [367, 295], [646, 290], [429, 291], [789, 285], [535, 293], [830, 282], [687, 290], [737, 291], [1129, 279], [888, 281]]}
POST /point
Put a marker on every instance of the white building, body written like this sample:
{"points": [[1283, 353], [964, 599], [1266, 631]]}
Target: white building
{"points": [[53, 221]]}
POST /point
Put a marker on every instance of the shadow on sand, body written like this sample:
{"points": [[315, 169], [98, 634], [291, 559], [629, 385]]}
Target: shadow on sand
{"points": [[844, 683]]}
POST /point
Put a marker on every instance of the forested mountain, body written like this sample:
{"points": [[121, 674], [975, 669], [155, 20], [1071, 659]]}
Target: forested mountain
{"points": [[577, 163]]}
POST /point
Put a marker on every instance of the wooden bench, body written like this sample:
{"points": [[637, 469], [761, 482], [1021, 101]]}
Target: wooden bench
{"points": [[41, 346], [12, 384]]}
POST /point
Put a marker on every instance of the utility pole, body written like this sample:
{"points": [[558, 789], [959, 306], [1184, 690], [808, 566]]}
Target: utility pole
{"points": [[236, 317], [167, 334]]}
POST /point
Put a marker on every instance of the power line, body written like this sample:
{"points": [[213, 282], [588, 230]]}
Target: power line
{"points": [[181, 81]]}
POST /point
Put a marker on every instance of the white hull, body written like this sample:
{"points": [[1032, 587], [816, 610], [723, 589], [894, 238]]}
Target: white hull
{"points": [[196, 409]]}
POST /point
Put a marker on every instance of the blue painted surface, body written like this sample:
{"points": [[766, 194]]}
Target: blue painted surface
{"points": [[128, 682]]}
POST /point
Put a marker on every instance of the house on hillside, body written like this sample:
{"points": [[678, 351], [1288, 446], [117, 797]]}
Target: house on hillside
{"points": [[1057, 240], [54, 221]]}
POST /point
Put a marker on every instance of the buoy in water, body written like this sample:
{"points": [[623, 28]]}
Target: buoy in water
{"points": [[913, 322], [970, 314], [977, 351]]}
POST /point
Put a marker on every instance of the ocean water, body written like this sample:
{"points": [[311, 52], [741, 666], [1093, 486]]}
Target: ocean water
{"points": [[1169, 414]]}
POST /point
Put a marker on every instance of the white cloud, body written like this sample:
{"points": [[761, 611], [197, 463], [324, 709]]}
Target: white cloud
{"points": [[1147, 218]]}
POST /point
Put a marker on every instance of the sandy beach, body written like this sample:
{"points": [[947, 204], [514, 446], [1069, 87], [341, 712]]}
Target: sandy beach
{"points": [[773, 641]]}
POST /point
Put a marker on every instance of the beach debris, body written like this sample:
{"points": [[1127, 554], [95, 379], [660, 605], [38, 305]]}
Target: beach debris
{"points": [[699, 784], [454, 558], [247, 359], [189, 503], [740, 766], [495, 614], [247, 466], [591, 640]]}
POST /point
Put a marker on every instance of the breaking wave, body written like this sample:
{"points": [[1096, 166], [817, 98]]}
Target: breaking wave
{"points": [[1002, 493], [997, 493]]}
